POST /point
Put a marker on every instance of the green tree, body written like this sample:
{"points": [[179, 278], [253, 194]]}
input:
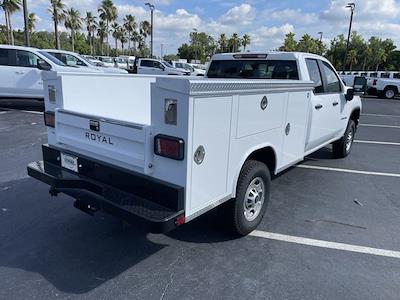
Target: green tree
{"points": [[102, 33], [246, 40], [290, 44], [145, 30], [130, 26], [234, 43], [32, 20], [10, 7], [115, 33], [123, 38], [90, 21], [308, 44], [73, 22], [381, 57], [108, 13], [352, 58], [223, 43], [57, 10]]}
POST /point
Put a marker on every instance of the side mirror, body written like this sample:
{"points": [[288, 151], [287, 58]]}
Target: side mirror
{"points": [[162, 67], [349, 94], [42, 65]]}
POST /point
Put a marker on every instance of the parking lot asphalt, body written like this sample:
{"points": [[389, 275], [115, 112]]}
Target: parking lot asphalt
{"points": [[50, 250]]}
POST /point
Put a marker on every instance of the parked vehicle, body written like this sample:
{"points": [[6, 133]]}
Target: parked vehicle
{"points": [[168, 149], [152, 66], [73, 59], [200, 69], [388, 88], [21, 71], [107, 61], [187, 67], [93, 60]]}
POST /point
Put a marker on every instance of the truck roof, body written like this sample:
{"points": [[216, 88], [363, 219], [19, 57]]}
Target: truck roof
{"points": [[269, 54]]}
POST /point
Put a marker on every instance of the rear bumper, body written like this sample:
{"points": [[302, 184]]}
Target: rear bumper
{"points": [[125, 194]]}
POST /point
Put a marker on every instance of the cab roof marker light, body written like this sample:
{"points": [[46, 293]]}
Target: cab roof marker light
{"points": [[239, 56]]}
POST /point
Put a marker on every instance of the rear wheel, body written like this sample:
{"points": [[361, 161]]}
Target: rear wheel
{"points": [[342, 147], [389, 93], [246, 211]]}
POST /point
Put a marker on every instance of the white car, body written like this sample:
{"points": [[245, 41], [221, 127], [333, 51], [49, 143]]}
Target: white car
{"points": [[107, 61], [75, 60], [93, 60], [187, 67], [152, 66], [21, 71]]}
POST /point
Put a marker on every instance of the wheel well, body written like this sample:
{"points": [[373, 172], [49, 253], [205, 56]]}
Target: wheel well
{"points": [[265, 155], [392, 87], [355, 116]]}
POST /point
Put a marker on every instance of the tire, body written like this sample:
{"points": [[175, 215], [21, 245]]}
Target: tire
{"points": [[389, 93], [246, 213], [342, 147]]}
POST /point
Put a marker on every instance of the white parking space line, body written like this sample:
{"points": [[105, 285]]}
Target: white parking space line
{"points": [[377, 125], [378, 115], [377, 143], [348, 171], [33, 112], [325, 244]]}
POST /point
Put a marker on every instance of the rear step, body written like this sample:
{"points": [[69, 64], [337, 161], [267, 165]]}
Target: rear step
{"points": [[92, 195]]}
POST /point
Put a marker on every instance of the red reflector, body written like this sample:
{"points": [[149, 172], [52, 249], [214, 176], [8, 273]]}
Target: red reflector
{"points": [[180, 220], [50, 118], [168, 146]]}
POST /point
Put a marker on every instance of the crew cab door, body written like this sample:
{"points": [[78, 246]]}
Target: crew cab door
{"points": [[28, 76], [7, 73], [325, 104], [146, 67]]}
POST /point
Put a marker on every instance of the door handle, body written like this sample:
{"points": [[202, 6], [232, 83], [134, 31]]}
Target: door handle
{"points": [[19, 72], [335, 103], [318, 106]]}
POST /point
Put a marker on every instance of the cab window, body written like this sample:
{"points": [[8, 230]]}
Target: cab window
{"points": [[4, 57], [27, 59], [315, 75], [147, 63], [254, 69], [385, 75], [332, 81]]}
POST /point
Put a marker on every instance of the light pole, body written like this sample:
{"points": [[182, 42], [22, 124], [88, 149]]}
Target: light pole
{"points": [[26, 31], [352, 7], [162, 49], [321, 34], [152, 7], [195, 43]]}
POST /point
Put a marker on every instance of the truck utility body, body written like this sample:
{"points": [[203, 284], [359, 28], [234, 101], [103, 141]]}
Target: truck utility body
{"points": [[168, 149]]}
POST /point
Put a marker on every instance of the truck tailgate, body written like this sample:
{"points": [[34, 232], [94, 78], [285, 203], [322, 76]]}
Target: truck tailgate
{"points": [[102, 138]]}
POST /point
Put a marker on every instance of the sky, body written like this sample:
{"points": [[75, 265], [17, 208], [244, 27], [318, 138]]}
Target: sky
{"points": [[266, 21]]}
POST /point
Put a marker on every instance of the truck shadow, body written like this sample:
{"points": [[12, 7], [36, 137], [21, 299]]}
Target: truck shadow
{"points": [[324, 153], [74, 252]]}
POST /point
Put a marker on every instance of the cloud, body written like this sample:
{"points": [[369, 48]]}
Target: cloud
{"points": [[243, 14], [292, 15], [270, 37]]}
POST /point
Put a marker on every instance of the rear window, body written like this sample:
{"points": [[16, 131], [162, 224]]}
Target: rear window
{"points": [[254, 69], [385, 75], [396, 75], [4, 60]]}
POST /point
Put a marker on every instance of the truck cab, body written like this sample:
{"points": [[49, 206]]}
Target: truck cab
{"points": [[150, 66]]}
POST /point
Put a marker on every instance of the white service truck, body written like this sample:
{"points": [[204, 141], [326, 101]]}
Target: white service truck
{"points": [[386, 87], [168, 149]]}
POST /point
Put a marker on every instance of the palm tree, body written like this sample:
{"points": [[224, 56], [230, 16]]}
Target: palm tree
{"points": [[108, 13], [381, 57], [130, 26], [10, 7], [115, 31], [246, 40], [222, 42], [135, 39], [73, 22], [57, 10], [90, 27], [32, 22], [102, 32], [122, 36], [234, 42], [352, 58], [145, 29]]}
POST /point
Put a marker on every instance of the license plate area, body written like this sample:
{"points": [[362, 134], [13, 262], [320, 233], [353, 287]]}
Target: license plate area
{"points": [[69, 162]]}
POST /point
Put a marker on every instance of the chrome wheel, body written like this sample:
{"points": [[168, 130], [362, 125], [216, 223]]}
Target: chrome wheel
{"points": [[254, 199], [349, 140]]}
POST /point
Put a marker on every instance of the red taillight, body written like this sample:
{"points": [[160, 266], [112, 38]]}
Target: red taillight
{"points": [[50, 118], [169, 146], [180, 220]]}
